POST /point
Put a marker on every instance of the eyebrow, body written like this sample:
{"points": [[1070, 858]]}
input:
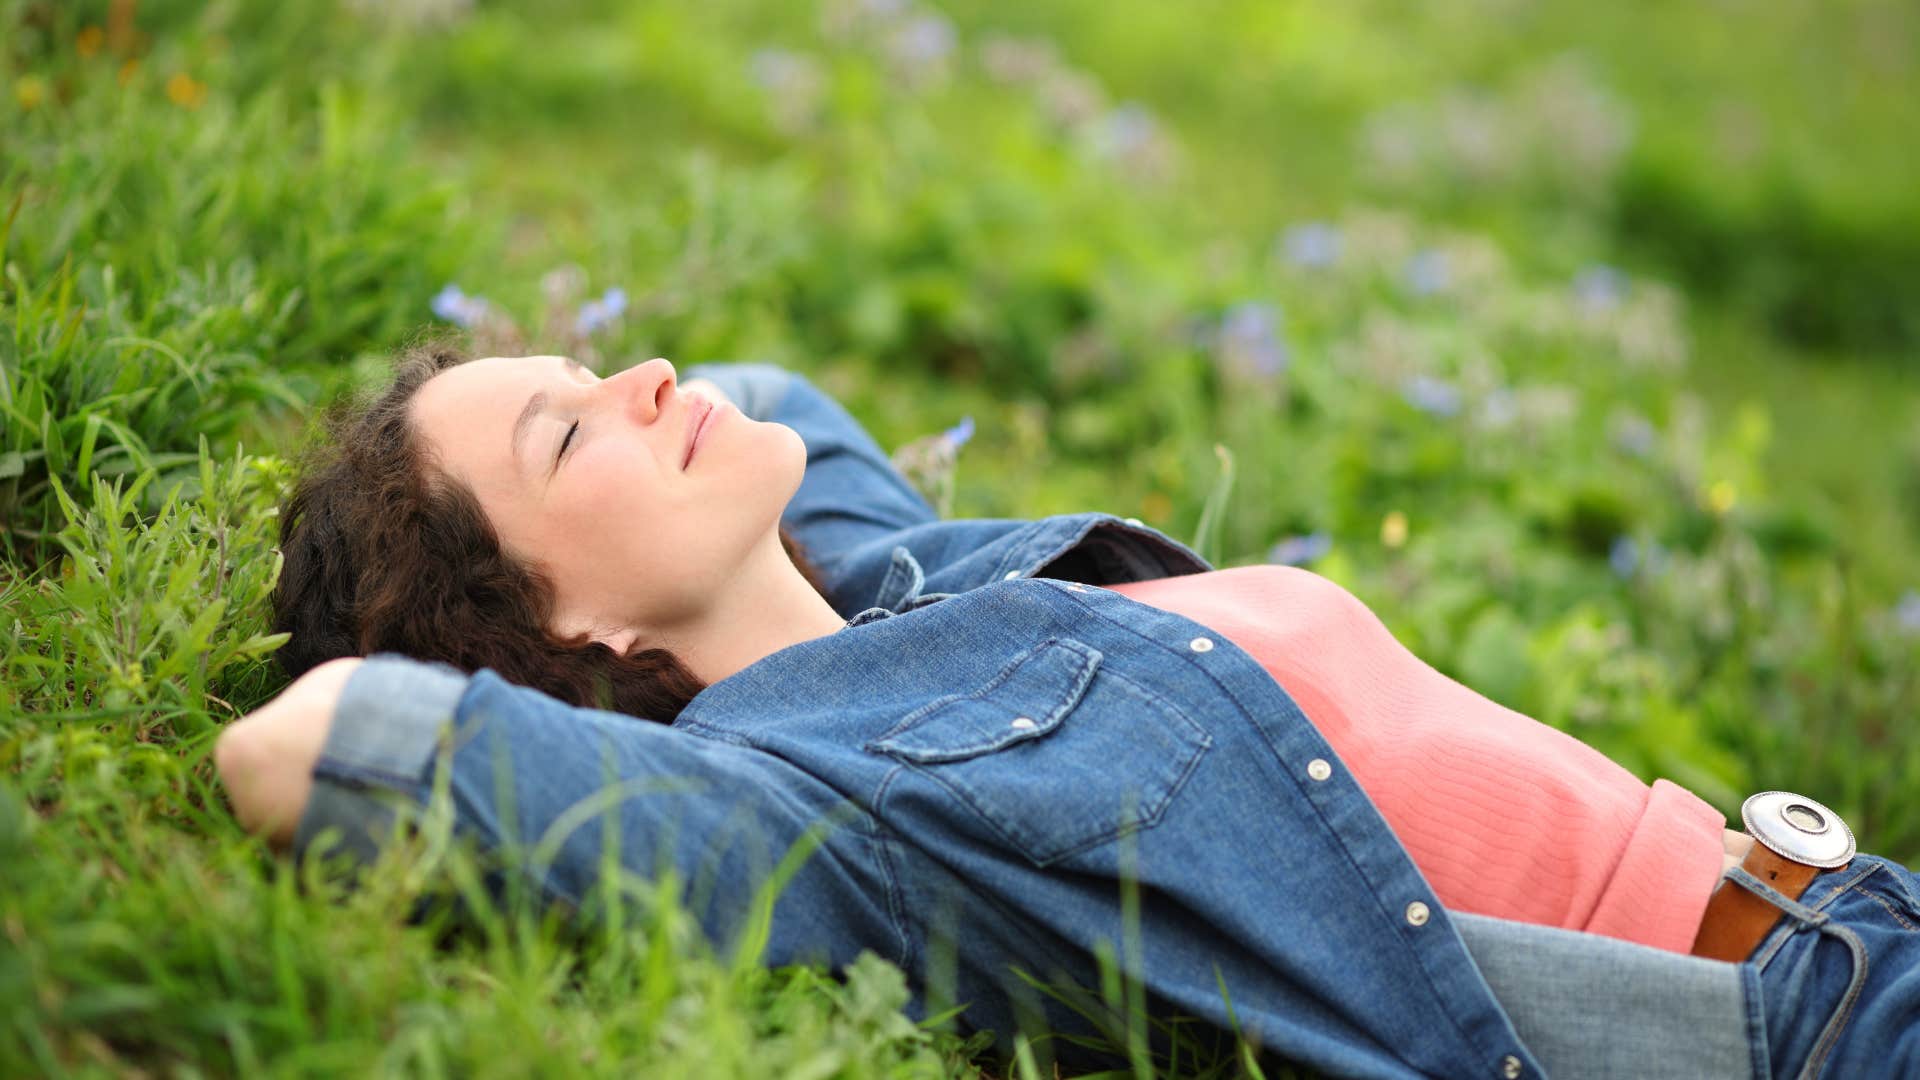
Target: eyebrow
{"points": [[520, 424], [532, 409]]}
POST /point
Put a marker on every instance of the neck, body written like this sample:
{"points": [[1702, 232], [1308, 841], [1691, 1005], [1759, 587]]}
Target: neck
{"points": [[766, 607]]}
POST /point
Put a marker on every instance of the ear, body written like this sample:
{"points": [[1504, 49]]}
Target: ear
{"points": [[617, 638]]}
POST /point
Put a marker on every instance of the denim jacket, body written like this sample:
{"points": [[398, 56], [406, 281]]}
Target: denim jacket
{"points": [[994, 766]]}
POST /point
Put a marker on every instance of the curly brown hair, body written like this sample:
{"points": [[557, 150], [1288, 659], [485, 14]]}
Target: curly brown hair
{"points": [[384, 553]]}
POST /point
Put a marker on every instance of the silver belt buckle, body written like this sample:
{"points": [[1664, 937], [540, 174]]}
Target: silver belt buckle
{"points": [[1798, 829]]}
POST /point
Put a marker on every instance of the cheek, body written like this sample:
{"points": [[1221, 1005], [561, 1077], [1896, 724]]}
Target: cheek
{"points": [[584, 527], [605, 491]]}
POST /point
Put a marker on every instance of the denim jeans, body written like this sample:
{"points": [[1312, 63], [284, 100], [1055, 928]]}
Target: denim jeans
{"points": [[1593, 1006], [1840, 972], [1832, 991]]}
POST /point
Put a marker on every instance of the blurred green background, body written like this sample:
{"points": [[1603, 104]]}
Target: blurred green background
{"points": [[1581, 341]]}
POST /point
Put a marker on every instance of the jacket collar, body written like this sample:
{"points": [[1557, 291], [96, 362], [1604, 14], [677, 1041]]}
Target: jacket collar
{"points": [[1091, 548]]}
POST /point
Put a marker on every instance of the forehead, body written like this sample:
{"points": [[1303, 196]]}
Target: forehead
{"points": [[466, 412], [478, 379]]}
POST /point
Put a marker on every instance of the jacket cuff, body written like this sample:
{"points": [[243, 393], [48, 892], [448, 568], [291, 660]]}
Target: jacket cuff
{"points": [[379, 750]]}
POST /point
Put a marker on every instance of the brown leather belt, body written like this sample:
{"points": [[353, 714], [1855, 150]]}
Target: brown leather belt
{"points": [[1794, 839]]}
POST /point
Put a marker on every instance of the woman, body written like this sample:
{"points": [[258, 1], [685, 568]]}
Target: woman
{"points": [[1388, 874]]}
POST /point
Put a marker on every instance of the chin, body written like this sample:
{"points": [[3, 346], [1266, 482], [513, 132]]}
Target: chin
{"points": [[793, 455]]}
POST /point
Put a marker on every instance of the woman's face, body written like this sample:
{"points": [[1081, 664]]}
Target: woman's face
{"points": [[582, 478]]}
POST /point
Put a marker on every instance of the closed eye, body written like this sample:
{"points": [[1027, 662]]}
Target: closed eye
{"points": [[565, 441]]}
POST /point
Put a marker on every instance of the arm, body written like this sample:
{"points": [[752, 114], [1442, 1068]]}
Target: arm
{"points": [[356, 744]]}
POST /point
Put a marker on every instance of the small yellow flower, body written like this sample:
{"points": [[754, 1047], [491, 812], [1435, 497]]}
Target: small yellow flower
{"points": [[1393, 529], [89, 41], [186, 91], [127, 69], [29, 91], [1720, 496]]}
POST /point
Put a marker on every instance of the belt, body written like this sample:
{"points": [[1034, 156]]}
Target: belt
{"points": [[1795, 839]]}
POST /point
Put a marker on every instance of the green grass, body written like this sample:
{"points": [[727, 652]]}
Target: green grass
{"points": [[1676, 519]]}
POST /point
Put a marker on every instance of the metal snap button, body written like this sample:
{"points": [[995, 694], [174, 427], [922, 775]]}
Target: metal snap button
{"points": [[1135, 521], [1021, 723], [1200, 644], [1319, 769], [1417, 914], [1510, 1067], [1011, 574]]}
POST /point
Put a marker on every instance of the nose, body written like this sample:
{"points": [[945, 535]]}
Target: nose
{"points": [[644, 389]]}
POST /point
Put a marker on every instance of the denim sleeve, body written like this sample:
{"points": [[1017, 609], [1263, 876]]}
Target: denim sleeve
{"points": [[851, 493], [559, 796]]}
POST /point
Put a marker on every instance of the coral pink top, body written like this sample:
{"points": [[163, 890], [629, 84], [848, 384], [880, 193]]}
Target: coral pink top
{"points": [[1504, 815]]}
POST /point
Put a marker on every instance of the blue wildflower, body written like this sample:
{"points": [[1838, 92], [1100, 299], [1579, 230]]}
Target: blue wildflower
{"points": [[458, 308], [1249, 339], [958, 434], [1633, 433], [1313, 244], [1906, 615], [449, 303], [1600, 288], [924, 39], [1127, 130], [1623, 556], [1435, 397], [1251, 319], [1427, 272], [1300, 550], [595, 314], [1628, 556]]}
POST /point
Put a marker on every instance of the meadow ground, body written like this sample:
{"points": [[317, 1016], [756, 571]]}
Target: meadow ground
{"points": [[1578, 340]]}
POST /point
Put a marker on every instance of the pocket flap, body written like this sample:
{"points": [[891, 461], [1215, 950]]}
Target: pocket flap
{"points": [[1026, 701]]}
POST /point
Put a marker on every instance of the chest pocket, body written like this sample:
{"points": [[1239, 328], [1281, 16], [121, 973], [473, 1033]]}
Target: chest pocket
{"points": [[1055, 755]]}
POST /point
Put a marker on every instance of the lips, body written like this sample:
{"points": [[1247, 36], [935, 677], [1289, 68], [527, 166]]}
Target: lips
{"points": [[702, 408]]}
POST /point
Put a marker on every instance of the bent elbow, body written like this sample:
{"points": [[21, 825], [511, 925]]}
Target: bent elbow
{"points": [[260, 793], [236, 761]]}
